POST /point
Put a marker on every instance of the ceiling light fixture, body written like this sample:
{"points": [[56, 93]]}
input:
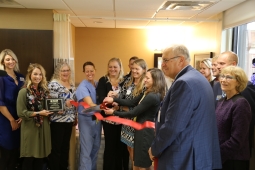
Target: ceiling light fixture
{"points": [[185, 5]]}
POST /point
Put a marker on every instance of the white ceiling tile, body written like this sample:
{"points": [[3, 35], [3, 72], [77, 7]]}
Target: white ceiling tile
{"points": [[103, 24], [135, 5], [127, 9], [207, 14], [224, 5], [45, 4], [95, 5], [135, 14], [101, 13]]}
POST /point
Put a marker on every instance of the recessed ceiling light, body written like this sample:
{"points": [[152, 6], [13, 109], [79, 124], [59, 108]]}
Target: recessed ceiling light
{"points": [[97, 22]]}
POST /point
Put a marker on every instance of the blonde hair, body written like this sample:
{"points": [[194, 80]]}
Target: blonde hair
{"points": [[139, 87], [57, 70], [121, 73], [10, 53], [239, 75], [30, 69], [214, 59], [208, 64]]}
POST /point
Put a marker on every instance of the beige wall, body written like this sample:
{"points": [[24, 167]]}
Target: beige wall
{"points": [[35, 19], [99, 45]]}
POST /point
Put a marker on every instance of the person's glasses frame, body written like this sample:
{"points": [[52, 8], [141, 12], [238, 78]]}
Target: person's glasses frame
{"points": [[164, 60], [63, 71], [227, 77]]}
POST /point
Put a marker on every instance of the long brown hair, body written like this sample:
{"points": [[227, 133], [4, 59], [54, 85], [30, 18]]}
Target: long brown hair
{"points": [[159, 82]]}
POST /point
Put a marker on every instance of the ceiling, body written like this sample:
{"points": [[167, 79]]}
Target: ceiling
{"points": [[127, 13]]}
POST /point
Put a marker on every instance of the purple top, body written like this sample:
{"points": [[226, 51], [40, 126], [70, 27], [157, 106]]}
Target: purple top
{"points": [[233, 120]]}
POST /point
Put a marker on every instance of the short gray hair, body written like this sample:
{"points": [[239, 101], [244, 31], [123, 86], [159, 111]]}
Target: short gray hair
{"points": [[178, 50]]}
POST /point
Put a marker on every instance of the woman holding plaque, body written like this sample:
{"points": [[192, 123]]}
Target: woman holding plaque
{"points": [[61, 87], [89, 127], [35, 128], [146, 107], [10, 85], [113, 146]]}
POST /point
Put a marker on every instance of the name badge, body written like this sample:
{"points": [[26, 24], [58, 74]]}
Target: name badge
{"points": [[129, 90], [21, 79], [218, 97]]}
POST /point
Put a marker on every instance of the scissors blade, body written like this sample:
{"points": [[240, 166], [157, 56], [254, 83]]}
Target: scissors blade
{"points": [[91, 109]]}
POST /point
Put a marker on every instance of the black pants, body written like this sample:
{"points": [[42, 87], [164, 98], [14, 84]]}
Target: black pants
{"points": [[31, 163], [125, 156], [113, 152], [235, 165], [8, 158], [60, 141]]}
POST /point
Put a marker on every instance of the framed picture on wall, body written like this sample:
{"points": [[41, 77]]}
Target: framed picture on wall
{"points": [[157, 60], [199, 57]]}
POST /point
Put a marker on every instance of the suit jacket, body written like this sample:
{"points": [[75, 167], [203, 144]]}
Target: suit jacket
{"points": [[249, 95], [186, 130]]}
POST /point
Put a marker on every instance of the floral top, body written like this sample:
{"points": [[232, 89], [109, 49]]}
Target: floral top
{"points": [[59, 91]]}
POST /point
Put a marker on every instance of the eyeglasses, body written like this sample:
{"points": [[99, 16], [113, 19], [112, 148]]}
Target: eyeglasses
{"points": [[65, 71], [166, 60], [228, 78]]}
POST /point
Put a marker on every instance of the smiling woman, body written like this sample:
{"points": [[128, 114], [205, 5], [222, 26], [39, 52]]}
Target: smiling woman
{"points": [[10, 84], [233, 112], [35, 129], [62, 87]]}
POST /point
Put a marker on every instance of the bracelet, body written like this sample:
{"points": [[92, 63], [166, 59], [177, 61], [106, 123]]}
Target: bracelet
{"points": [[37, 113]]}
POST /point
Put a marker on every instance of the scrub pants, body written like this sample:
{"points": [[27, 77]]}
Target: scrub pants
{"points": [[90, 139]]}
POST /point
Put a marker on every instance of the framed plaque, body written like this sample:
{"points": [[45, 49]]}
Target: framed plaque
{"points": [[54, 104]]}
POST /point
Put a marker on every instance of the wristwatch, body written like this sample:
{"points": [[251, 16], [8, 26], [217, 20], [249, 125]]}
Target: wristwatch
{"points": [[37, 113]]}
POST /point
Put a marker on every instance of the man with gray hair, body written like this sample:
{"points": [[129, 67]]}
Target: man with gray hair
{"points": [[186, 131]]}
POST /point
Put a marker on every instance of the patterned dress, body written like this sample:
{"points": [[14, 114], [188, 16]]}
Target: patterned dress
{"points": [[59, 91], [127, 132]]}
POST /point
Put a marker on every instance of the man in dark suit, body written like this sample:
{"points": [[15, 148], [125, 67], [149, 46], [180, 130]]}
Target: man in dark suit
{"points": [[186, 131], [230, 58]]}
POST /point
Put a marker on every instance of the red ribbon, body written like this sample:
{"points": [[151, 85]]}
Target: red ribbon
{"points": [[155, 163], [135, 125]]}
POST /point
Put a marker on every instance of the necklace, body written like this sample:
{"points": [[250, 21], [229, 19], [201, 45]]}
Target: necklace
{"points": [[13, 76]]}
